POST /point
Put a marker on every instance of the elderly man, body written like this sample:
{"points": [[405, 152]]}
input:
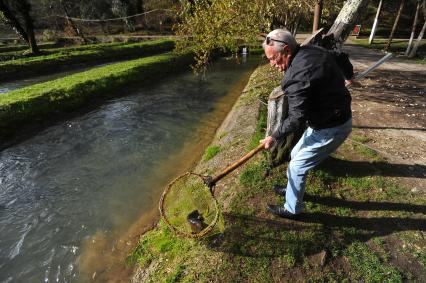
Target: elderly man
{"points": [[314, 82]]}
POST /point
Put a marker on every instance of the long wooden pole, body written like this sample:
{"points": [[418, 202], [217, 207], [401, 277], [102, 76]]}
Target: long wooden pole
{"points": [[395, 24], [236, 164], [317, 15]]}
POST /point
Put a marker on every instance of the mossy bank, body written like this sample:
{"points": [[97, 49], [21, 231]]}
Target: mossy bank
{"points": [[357, 226], [50, 100], [66, 57]]}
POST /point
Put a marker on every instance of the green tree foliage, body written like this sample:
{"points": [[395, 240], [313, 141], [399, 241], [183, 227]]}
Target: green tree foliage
{"points": [[226, 24], [221, 24]]}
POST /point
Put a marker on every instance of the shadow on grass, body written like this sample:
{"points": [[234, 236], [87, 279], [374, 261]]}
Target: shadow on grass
{"points": [[388, 128], [371, 205], [314, 232], [344, 168]]}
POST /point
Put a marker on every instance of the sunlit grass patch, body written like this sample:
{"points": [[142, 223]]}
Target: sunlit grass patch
{"points": [[253, 175], [368, 267], [159, 242], [176, 274], [260, 129], [211, 152], [81, 54], [367, 152]]}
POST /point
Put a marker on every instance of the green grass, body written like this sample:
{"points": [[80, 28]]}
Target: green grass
{"points": [[13, 50], [82, 54], [157, 242], [252, 175], [260, 129], [367, 152], [176, 274], [50, 99], [364, 150], [211, 152], [368, 267]]}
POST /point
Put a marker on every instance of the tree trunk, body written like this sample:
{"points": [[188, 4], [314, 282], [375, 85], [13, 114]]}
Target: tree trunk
{"points": [[25, 8], [139, 10], [413, 29], [12, 21], [344, 23], [376, 20], [419, 39], [296, 24], [139, 6], [31, 39], [25, 32], [395, 24], [286, 19], [317, 15]]}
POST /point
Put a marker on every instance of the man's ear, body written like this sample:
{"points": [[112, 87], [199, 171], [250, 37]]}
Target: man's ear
{"points": [[287, 50]]}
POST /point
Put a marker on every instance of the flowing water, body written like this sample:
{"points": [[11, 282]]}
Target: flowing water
{"points": [[102, 171]]}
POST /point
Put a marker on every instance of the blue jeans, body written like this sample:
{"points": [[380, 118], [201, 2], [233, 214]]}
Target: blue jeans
{"points": [[313, 147]]}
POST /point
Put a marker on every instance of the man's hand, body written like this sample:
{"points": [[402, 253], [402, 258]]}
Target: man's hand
{"points": [[267, 142], [354, 83]]}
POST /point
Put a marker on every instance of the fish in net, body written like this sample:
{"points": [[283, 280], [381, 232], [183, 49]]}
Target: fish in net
{"points": [[188, 205]]}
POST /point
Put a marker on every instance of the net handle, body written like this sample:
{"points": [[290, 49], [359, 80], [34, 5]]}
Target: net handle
{"points": [[236, 164]]}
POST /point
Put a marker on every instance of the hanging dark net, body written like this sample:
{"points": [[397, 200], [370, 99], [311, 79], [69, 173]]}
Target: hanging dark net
{"points": [[189, 208]]}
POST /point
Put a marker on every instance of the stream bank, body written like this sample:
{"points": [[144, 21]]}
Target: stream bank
{"points": [[364, 220], [163, 256]]}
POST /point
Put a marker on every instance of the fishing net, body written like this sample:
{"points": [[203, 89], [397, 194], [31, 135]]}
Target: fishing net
{"points": [[189, 207]]}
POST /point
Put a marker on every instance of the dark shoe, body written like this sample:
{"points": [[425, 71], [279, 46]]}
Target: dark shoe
{"points": [[279, 189], [280, 211]]}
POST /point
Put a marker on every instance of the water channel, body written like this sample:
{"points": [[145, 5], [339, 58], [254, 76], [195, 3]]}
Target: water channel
{"points": [[102, 171]]}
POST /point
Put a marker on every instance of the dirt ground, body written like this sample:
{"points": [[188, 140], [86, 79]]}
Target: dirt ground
{"points": [[389, 110]]}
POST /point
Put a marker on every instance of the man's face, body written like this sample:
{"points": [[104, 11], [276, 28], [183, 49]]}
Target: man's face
{"points": [[276, 59]]}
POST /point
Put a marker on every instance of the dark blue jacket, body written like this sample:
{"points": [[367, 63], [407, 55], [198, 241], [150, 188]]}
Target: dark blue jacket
{"points": [[315, 86]]}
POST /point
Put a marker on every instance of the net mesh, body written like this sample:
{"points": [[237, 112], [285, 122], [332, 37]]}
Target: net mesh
{"points": [[188, 207]]}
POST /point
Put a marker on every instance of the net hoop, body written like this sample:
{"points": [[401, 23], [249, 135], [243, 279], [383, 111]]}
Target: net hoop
{"points": [[178, 232]]}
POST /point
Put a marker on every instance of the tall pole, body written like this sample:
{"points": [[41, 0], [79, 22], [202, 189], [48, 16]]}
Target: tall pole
{"points": [[419, 39], [413, 29], [395, 24], [376, 20], [317, 15]]}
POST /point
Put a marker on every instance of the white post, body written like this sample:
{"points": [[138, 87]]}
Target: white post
{"points": [[376, 20], [417, 44], [413, 29]]}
